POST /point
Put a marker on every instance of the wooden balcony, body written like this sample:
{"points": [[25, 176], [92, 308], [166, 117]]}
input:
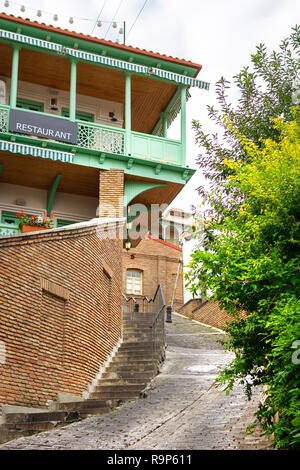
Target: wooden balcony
{"points": [[111, 140]]}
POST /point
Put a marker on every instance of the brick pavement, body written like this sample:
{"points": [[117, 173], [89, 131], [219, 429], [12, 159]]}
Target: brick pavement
{"points": [[183, 409]]}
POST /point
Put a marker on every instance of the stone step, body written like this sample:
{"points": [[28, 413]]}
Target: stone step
{"points": [[136, 361], [87, 404], [136, 354], [39, 416], [136, 345], [122, 382], [121, 396], [125, 375], [115, 391]]}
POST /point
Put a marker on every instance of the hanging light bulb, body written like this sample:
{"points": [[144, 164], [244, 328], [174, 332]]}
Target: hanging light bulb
{"points": [[55, 17], [6, 4], [121, 31], [22, 8], [99, 24], [39, 13], [114, 25], [71, 21]]}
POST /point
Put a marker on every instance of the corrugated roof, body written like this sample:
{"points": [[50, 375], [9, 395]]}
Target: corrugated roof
{"points": [[103, 42]]}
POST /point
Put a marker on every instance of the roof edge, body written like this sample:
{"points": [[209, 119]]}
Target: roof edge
{"points": [[103, 42]]}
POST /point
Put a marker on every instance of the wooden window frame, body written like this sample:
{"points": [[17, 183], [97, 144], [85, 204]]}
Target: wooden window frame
{"points": [[132, 279]]}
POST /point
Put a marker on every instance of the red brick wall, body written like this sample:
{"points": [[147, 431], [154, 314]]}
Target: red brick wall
{"points": [[159, 263], [208, 313], [111, 193], [60, 312]]}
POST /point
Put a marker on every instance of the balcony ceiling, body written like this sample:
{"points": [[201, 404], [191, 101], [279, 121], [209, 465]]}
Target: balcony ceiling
{"points": [[39, 173], [149, 96]]}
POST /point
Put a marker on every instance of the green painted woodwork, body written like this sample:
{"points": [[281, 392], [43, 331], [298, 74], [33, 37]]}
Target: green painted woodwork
{"points": [[51, 194], [167, 109], [1, 167], [63, 223], [133, 188], [151, 156], [9, 224], [14, 76], [156, 148], [128, 114], [80, 116], [73, 78], [165, 124], [183, 125], [9, 218], [30, 105]]}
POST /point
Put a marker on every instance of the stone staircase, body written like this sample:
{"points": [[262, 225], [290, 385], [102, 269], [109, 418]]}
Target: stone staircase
{"points": [[135, 364]]}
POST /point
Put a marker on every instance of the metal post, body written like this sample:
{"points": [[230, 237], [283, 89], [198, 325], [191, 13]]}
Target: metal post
{"points": [[169, 314], [73, 77], [14, 77], [175, 287]]}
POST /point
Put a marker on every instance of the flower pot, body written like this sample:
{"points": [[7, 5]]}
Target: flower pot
{"points": [[32, 228]]}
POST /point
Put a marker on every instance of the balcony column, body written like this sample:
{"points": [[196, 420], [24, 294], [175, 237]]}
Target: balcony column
{"points": [[128, 113], [73, 77], [14, 77], [183, 125]]}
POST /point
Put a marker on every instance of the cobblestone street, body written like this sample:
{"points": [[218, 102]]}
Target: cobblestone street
{"points": [[183, 409]]}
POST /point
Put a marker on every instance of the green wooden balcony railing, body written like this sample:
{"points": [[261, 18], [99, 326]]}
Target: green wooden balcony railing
{"points": [[113, 140], [6, 230]]}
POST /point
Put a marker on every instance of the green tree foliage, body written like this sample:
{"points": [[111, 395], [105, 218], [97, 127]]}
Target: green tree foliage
{"points": [[268, 90], [250, 258]]}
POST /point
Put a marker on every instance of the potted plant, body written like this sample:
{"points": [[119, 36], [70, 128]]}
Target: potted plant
{"points": [[33, 223]]}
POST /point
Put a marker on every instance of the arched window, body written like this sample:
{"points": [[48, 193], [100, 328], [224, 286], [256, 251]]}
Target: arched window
{"points": [[134, 281]]}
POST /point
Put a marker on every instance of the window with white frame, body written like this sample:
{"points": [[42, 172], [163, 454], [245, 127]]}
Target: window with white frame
{"points": [[134, 281]]}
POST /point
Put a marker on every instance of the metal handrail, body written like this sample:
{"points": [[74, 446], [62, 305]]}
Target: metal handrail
{"points": [[159, 289]]}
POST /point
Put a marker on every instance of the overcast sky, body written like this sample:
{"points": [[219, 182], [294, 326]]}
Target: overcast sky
{"points": [[218, 34]]}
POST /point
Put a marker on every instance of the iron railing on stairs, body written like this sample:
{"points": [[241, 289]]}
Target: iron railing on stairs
{"points": [[155, 307]]}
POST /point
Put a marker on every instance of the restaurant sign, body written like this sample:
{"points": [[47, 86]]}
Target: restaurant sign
{"points": [[43, 126]]}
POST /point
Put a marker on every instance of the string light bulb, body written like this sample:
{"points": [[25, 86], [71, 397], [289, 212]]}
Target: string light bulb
{"points": [[114, 25], [71, 20], [6, 4], [121, 31], [39, 13], [22, 8], [99, 24], [55, 17]]}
